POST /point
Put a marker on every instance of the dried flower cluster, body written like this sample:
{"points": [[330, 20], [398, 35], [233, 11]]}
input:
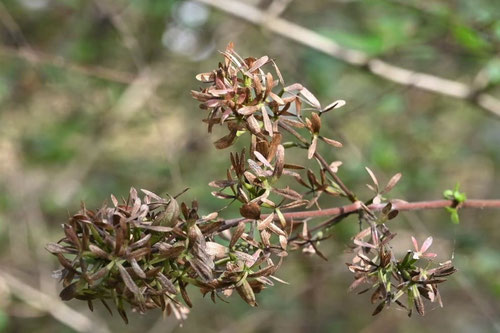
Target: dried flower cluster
{"points": [[375, 264], [143, 252], [146, 252]]}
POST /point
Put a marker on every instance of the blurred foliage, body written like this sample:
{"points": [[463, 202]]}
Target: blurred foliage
{"points": [[69, 133]]}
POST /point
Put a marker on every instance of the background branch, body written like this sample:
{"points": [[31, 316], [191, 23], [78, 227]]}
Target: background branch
{"points": [[38, 58], [360, 59], [51, 305]]}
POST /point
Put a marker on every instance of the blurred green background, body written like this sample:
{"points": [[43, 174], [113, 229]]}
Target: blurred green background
{"points": [[94, 98]]}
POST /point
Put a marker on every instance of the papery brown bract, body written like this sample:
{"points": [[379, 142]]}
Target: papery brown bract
{"points": [[124, 254]]}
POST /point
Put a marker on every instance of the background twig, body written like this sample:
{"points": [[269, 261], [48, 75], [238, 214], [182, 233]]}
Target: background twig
{"points": [[376, 66]]}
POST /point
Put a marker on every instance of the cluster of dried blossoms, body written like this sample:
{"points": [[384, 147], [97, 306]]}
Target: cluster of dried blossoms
{"points": [[375, 264], [143, 252], [146, 252]]}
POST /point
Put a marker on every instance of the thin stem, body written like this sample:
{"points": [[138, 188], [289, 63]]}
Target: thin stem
{"points": [[396, 204], [323, 162], [336, 178], [292, 132]]}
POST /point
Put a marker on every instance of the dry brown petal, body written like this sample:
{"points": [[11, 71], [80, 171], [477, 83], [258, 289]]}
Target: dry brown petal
{"points": [[213, 103], [310, 98], [222, 183], [97, 251], [157, 228], [392, 214], [202, 269], [288, 193], [220, 195], [225, 141], [258, 84], [129, 282], [331, 142], [152, 195], [315, 123], [216, 250], [293, 166], [295, 204], [280, 161], [356, 283], [248, 110], [169, 217], [99, 274], [283, 242], [237, 234], [268, 126], [72, 236], [246, 293], [212, 226], [253, 125], [378, 309], [69, 292], [265, 237], [280, 77], [273, 146], [269, 270], [374, 179], [206, 77], [275, 229], [185, 295], [291, 122], [55, 248], [262, 159], [137, 269], [390, 185], [168, 251], [258, 63], [269, 83], [265, 223], [312, 147], [166, 283], [419, 305], [276, 98], [201, 96], [335, 105], [295, 86]]}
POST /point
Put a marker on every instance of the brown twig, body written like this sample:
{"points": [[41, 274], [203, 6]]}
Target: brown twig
{"points": [[39, 58], [277, 7], [336, 178], [52, 305], [322, 161], [396, 204]]}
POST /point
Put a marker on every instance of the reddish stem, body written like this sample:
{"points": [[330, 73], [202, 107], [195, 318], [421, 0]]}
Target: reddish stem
{"points": [[396, 204]]}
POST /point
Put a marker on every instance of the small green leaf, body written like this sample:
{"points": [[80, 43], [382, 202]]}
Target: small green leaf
{"points": [[453, 215], [448, 194], [460, 197], [455, 194]]}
